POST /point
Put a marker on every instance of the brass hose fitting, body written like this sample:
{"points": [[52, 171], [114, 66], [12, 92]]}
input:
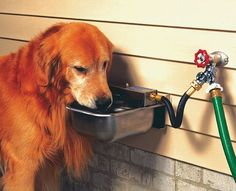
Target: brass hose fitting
{"points": [[155, 96], [215, 93], [195, 86]]}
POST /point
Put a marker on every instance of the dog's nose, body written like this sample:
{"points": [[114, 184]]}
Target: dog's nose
{"points": [[103, 103]]}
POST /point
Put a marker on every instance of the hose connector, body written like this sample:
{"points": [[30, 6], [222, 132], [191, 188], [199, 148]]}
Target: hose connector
{"points": [[195, 86], [214, 86], [216, 93], [155, 96]]}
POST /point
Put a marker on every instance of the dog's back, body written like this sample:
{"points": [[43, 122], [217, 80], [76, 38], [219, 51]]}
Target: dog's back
{"points": [[36, 83]]}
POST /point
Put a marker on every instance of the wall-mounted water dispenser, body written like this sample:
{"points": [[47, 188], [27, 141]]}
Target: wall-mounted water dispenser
{"points": [[133, 111]]}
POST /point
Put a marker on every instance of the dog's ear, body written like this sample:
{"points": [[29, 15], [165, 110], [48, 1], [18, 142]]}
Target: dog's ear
{"points": [[53, 69], [52, 30], [49, 69], [49, 56]]}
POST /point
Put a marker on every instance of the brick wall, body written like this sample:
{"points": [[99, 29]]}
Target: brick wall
{"points": [[116, 167]]}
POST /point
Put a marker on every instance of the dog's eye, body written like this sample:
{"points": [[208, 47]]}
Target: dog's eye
{"points": [[80, 69]]}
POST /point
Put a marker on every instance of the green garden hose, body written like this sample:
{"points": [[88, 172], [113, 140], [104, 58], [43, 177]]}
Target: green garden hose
{"points": [[223, 131]]}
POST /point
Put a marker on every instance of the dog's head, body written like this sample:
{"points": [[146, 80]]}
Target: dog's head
{"points": [[76, 58]]}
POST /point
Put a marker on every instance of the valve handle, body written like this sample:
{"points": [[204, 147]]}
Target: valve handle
{"points": [[202, 58]]}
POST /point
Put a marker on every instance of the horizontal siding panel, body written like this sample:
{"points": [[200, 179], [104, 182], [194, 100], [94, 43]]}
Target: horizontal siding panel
{"points": [[183, 145], [187, 13], [164, 76], [171, 77], [7, 46], [147, 41], [199, 117]]}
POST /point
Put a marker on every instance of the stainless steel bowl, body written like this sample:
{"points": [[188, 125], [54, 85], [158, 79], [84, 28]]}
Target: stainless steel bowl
{"points": [[120, 122]]}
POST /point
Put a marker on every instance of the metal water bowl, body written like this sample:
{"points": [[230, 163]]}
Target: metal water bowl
{"points": [[127, 116]]}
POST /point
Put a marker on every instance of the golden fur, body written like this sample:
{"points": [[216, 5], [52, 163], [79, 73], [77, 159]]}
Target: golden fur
{"points": [[67, 62]]}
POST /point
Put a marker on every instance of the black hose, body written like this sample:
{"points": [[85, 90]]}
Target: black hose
{"points": [[176, 120]]}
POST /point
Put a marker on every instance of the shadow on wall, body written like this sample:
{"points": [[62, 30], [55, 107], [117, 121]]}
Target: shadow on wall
{"points": [[227, 98], [121, 73], [199, 144]]}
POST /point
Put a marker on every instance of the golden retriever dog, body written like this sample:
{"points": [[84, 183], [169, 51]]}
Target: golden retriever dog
{"points": [[67, 63]]}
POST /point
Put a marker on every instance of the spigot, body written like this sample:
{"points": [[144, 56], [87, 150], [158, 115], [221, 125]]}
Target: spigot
{"points": [[219, 58], [202, 58], [209, 62]]}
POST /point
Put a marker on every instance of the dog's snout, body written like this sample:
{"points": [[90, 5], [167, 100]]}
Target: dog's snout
{"points": [[103, 103]]}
